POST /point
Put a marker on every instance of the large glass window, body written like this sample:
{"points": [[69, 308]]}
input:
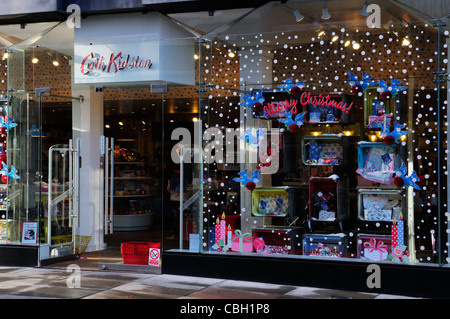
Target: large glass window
{"points": [[325, 137]]}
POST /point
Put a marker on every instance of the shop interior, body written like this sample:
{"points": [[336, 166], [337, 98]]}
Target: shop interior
{"points": [[144, 171]]}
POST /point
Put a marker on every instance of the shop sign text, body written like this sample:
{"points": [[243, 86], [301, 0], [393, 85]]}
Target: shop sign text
{"points": [[280, 108], [116, 62]]}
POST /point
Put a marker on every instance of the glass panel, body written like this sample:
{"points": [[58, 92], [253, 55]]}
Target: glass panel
{"points": [[352, 171], [445, 67], [21, 170], [36, 124]]}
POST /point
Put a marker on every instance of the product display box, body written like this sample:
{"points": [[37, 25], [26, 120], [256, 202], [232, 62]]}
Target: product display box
{"points": [[279, 240], [325, 149], [325, 199], [270, 201], [376, 110], [373, 247], [377, 162], [376, 205], [325, 245]]}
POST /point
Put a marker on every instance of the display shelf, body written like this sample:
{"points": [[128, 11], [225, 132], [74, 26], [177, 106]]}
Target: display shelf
{"points": [[325, 245], [377, 162], [280, 240], [270, 202], [376, 205], [377, 110], [322, 150], [132, 222], [325, 199], [132, 187]]}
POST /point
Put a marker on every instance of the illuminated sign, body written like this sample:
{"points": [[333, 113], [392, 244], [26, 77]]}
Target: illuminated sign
{"points": [[278, 109], [116, 62], [324, 100]]}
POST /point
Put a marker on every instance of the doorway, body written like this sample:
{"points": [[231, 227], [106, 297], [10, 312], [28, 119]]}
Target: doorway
{"points": [[142, 182]]}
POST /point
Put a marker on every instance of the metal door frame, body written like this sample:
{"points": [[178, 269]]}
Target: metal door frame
{"points": [[72, 193]]}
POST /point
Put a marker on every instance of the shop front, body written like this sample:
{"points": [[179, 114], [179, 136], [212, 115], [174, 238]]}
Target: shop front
{"points": [[87, 119], [292, 143], [324, 149]]}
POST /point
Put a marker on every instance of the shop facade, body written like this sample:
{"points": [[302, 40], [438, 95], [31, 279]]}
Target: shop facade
{"points": [[302, 144]]}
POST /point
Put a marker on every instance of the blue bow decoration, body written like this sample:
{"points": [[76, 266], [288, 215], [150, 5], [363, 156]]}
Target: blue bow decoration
{"points": [[249, 183], [11, 174], [250, 100], [393, 88], [288, 121], [9, 124], [253, 140], [289, 85], [360, 85], [394, 136], [402, 180]]}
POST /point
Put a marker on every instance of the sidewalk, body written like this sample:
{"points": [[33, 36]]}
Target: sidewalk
{"points": [[54, 282]]}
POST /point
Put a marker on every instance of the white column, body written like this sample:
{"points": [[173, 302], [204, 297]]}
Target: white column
{"points": [[256, 74], [447, 154], [87, 118]]}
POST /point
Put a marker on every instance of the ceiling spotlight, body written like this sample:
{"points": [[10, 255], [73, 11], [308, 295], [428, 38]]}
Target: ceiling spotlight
{"points": [[231, 54], [364, 10], [347, 43], [298, 16], [321, 33], [55, 63], [356, 45], [34, 60], [325, 14], [406, 41], [335, 38]]}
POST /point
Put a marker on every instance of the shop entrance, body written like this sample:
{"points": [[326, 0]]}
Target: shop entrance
{"points": [[40, 175], [142, 182]]}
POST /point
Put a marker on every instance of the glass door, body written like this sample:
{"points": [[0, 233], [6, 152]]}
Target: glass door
{"points": [[59, 175]]}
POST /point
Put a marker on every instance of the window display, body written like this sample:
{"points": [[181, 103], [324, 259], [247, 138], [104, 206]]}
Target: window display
{"points": [[356, 174]]}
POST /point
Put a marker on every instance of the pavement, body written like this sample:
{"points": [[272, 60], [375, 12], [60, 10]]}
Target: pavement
{"points": [[66, 281]]}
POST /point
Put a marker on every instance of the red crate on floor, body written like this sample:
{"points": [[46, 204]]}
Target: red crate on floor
{"points": [[136, 253]]}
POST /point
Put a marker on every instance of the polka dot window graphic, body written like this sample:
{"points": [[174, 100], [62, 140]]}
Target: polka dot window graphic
{"points": [[404, 93]]}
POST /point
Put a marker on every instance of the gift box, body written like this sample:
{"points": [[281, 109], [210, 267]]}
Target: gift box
{"points": [[379, 205], [378, 121], [241, 242], [327, 215], [373, 247], [380, 215]]}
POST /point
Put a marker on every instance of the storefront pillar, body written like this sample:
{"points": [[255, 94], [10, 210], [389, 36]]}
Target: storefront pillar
{"points": [[256, 74], [88, 127], [446, 128]]}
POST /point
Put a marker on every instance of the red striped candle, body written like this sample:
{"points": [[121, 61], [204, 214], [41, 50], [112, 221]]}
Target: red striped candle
{"points": [[394, 235]]}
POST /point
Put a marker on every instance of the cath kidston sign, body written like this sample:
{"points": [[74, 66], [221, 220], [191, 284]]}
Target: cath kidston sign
{"points": [[95, 62], [117, 62]]}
